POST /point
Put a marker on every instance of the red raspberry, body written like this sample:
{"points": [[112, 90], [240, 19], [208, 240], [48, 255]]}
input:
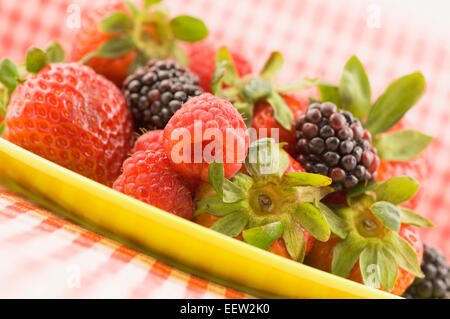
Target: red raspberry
{"points": [[149, 177], [74, 117], [208, 114], [202, 62], [150, 141]]}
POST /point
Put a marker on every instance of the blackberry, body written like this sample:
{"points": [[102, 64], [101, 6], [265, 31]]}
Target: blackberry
{"points": [[154, 93], [334, 143], [436, 283]]}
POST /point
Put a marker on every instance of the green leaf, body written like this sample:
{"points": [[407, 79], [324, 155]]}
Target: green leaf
{"points": [[359, 190], [132, 8], [140, 60], [346, 253], [151, 2], [294, 239], [244, 182], [313, 194], [266, 157], [8, 74], [188, 28], [388, 214], [388, 269], [411, 218], [231, 192], [312, 220], [368, 264], [354, 88], [257, 89], [337, 224], [177, 52], [283, 114], [306, 179], [35, 60], [231, 224], [215, 206], [118, 22], [216, 177], [273, 66], [398, 98], [112, 48], [397, 190], [55, 53], [403, 253], [246, 111], [2, 127], [296, 86], [263, 236], [224, 60], [329, 93], [401, 145]]}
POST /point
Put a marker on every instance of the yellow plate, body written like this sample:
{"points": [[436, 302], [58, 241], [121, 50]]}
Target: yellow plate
{"points": [[177, 239]]}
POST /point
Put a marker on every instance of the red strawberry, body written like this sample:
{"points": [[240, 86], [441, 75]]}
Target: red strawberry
{"points": [[148, 176], [417, 168], [150, 141], [202, 62], [192, 150], [264, 118], [74, 117], [375, 233], [117, 37], [267, 208], [89, 38]]}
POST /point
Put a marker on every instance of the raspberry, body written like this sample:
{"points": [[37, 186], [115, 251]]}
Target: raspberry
{"points": [[150, 141], [156, 92], [149, 177], [208, 114], [202, 62], [334, 143]]}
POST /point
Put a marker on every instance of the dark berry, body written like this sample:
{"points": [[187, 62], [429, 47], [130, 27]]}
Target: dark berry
{"points": [[436, 283], [156, 92], [334, 143]]}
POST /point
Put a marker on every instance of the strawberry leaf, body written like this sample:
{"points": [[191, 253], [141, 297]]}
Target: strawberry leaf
{"points": [[216, 177], [359, 190], [266, 157], [296, 86], [388, 214], [231, 224], [397, 190], [244, 182], [398, 98], [329, 93], [388, 269], [305, 179], [263, 236], [282, 112], [257, 89], [401, 145], [189, 29], [117, 22], [337, 224], [215, 206], [55, 53], [132, 8], [354, 88], [35, 60], [346, 253], [411, 218], [294, 239], [312, 220], [368, 264], [113, 48], [273, 66], [148, 3], [8, 74], [231, 192], [403, 253]]}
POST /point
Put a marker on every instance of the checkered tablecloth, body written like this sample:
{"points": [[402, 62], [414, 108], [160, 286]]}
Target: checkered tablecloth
{"points": [[41, 255]]}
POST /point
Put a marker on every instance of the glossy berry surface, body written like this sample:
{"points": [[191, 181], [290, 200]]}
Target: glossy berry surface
{"points": [[206, 129], [149, 177], [436, 283], [156, 92], [150, 141], [74, 117], [334, 143]]}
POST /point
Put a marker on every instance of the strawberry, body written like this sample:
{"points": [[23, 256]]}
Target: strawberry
{"points": [[149, 177], [202, 62], [264, 120], [267, 208], [72, 116], [116, 37], [374, 242]]}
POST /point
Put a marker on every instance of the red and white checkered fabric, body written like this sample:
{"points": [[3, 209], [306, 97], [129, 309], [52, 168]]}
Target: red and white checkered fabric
{"points": [[316, 38]]}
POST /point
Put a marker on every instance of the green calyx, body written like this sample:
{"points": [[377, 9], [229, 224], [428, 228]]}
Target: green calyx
{"points": [[267, 204], [370, 229], [245, 92], [149, 32], [12, 75], [354, 94]]}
